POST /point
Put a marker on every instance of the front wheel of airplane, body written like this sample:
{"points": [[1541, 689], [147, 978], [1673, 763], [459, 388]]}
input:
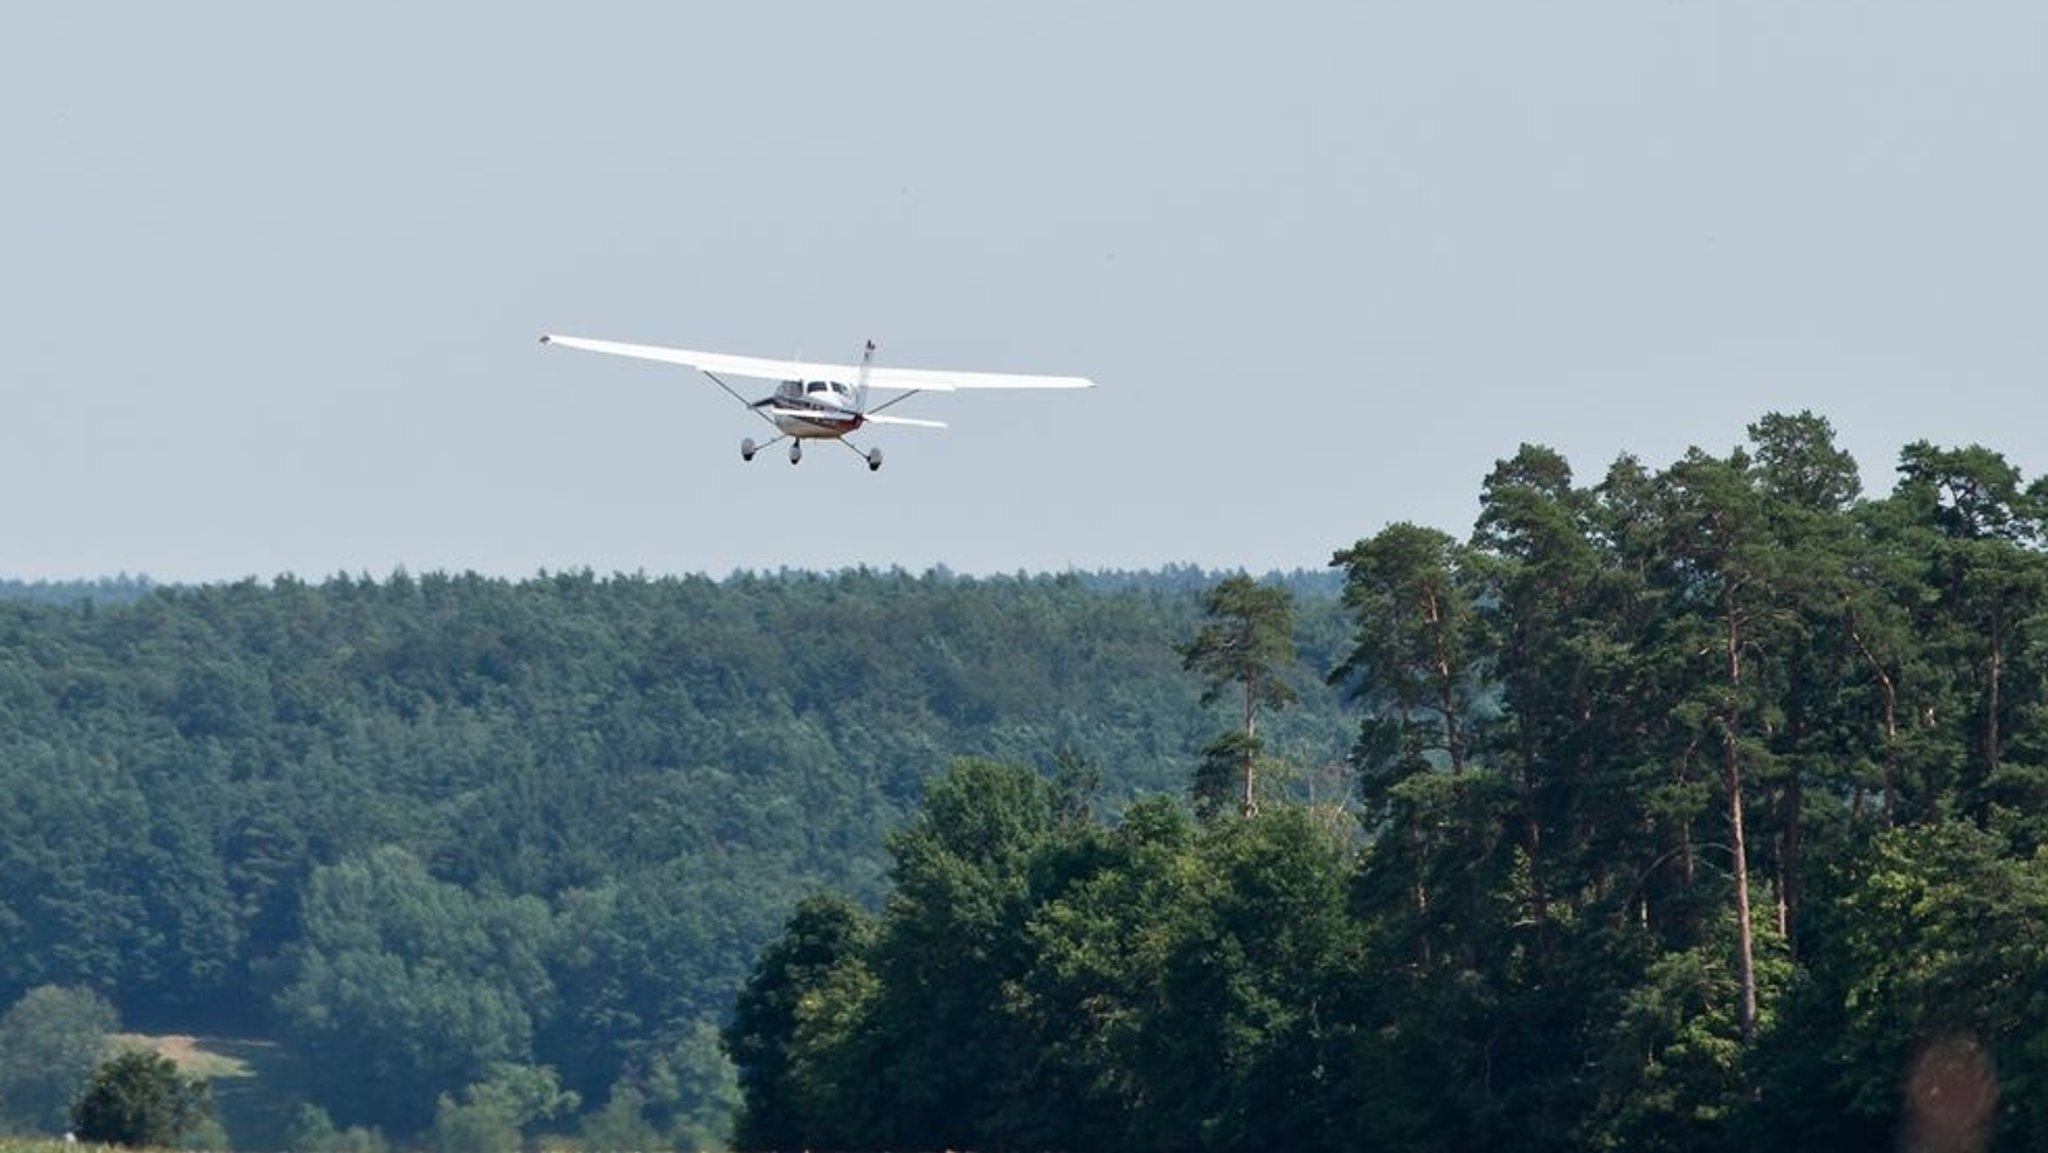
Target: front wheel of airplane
{"points": [[796, 451]]}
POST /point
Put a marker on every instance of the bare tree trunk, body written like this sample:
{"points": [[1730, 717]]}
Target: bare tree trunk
{"points": [[1731, 765], [1992, 674], [1248, 805], [1888, 692], [1423, 954], [1744, 947], [1446, 684]]}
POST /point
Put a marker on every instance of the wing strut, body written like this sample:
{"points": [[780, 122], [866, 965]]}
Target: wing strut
{"points": [[892, 402], [748, 404]]}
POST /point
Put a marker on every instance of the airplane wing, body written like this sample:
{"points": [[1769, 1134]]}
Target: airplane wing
{"points": [[906, 421], [762, 368], [749, 366], [942, 380]]}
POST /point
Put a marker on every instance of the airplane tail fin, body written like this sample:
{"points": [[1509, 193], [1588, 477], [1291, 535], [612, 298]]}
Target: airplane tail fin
{"points": [[860, 388]]}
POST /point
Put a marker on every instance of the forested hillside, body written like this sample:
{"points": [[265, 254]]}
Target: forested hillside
{"points": [[1703, 808], [439, 835]]}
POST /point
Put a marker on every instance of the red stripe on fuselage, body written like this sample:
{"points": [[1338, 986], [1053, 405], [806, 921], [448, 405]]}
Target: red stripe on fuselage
{"points": [[833, 421]]}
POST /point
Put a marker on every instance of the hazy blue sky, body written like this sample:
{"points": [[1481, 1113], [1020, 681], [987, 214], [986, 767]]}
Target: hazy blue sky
{"points": [[271, 274]]}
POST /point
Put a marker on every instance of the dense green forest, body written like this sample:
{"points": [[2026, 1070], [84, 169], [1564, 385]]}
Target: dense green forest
{"points": [[1700, 808], [511, 847]]}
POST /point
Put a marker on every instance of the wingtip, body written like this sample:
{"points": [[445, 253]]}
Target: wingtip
{"points": [[546, 339]]}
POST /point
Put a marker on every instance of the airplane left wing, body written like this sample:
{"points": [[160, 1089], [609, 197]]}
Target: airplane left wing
{"points": [[942, 380], [905, 421], [763, 368]]}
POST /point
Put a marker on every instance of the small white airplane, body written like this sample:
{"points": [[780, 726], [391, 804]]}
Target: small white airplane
{"points": [[821, 401]]}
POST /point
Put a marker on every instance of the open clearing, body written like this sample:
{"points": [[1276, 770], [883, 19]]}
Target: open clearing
{"points": [[255, 1082]]}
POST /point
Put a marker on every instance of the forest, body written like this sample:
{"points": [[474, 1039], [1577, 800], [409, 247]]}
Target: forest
{"points": [[456, 842], [1698, 807]]}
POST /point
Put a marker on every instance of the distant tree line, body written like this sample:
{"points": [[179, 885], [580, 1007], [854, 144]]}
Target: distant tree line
{"points": [[1705, 807], [496, 855], [112, 590]]}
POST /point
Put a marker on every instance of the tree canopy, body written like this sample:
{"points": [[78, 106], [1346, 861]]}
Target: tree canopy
{"points": [[1702, 806], [1697, 809], [425, 828]]}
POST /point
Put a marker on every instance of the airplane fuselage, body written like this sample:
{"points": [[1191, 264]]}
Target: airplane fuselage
{"points": [[813, 410]]}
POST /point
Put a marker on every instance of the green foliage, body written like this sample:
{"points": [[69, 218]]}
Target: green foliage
{"points": [[496, 1114], [1154, 979], [1701, 810], [1411, 663], [50, 1042], [1700, 807], [408, 984], [1246, 643], [694, 1090], [1945, 936], [313, 1130], [796, 984], [411, 827], [947, 943], [620, 1126], [139, 1098]]}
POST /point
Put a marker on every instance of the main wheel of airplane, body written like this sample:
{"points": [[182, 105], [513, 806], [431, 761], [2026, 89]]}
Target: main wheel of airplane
{"points": [[796, 451], [874, 460], [747, 448]]}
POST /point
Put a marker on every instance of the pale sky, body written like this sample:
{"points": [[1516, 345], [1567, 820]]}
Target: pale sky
{"points": [[271, 274]]}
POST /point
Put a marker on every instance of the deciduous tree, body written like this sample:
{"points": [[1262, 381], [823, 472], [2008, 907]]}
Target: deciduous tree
{"points": [[50, 1042]]}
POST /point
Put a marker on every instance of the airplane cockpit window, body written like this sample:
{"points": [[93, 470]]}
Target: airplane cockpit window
{"points": [[815, 387]]}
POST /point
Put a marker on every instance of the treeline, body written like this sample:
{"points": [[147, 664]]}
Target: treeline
{"points": [[478, 849], [105, 590], [1700, 808]]}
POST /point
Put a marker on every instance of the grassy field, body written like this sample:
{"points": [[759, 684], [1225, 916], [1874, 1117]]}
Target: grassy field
{"points": [[256, 1085]]}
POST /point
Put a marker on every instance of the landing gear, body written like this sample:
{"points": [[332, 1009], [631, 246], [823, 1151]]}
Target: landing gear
{"points": [[748, 448], [796, 451], [874, 459]]}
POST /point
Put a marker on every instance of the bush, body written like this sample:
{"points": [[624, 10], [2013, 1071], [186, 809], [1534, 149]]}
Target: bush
{"points": [[140, 1098]]}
